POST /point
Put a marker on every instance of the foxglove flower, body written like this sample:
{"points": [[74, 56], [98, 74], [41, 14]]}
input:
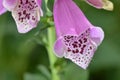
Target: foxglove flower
{"points": [[26, 13], [77, 38], [105, 4]]}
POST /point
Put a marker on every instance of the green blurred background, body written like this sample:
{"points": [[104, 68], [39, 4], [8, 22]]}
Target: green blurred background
{"points": [[24, 56]]}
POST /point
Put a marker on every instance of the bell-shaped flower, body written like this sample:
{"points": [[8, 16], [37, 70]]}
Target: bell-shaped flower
{"points": [[101, 4], [26, 13], [77, 38]]}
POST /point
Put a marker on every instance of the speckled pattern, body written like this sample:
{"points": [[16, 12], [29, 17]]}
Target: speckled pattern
{"points": [[79, 49], [26, 14]]}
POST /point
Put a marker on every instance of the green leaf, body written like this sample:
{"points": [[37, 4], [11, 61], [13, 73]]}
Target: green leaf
{"points": [[50, 5], [44, 71]]}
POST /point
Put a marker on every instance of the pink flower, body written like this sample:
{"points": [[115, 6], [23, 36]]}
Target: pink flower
{"points": [[77, 38], [26, 13], [105, 4]]}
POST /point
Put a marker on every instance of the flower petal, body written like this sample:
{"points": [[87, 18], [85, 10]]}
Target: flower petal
{"points": [[39, 2], [108, 5], [2, 9], [97, 35], [69, 18], [59, 48], [26, 14], [10, 4], [95, 3]]}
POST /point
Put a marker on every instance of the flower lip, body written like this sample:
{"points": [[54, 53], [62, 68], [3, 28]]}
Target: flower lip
{"points": [[59, 46], [77, 48], [26, 15], [97, 35]]}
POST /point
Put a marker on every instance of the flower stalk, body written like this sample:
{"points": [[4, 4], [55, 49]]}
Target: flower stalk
{"points": [[52, 57], [51, 39]]}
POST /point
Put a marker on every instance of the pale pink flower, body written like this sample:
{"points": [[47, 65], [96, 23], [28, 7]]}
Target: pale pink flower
{"points": [[26, 13]]}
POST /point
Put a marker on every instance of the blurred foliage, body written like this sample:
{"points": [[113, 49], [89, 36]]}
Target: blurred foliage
{"points": [[24, 56]]}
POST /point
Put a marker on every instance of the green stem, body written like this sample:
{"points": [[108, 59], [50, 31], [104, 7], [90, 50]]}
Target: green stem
{"points": [[52, 57]]}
